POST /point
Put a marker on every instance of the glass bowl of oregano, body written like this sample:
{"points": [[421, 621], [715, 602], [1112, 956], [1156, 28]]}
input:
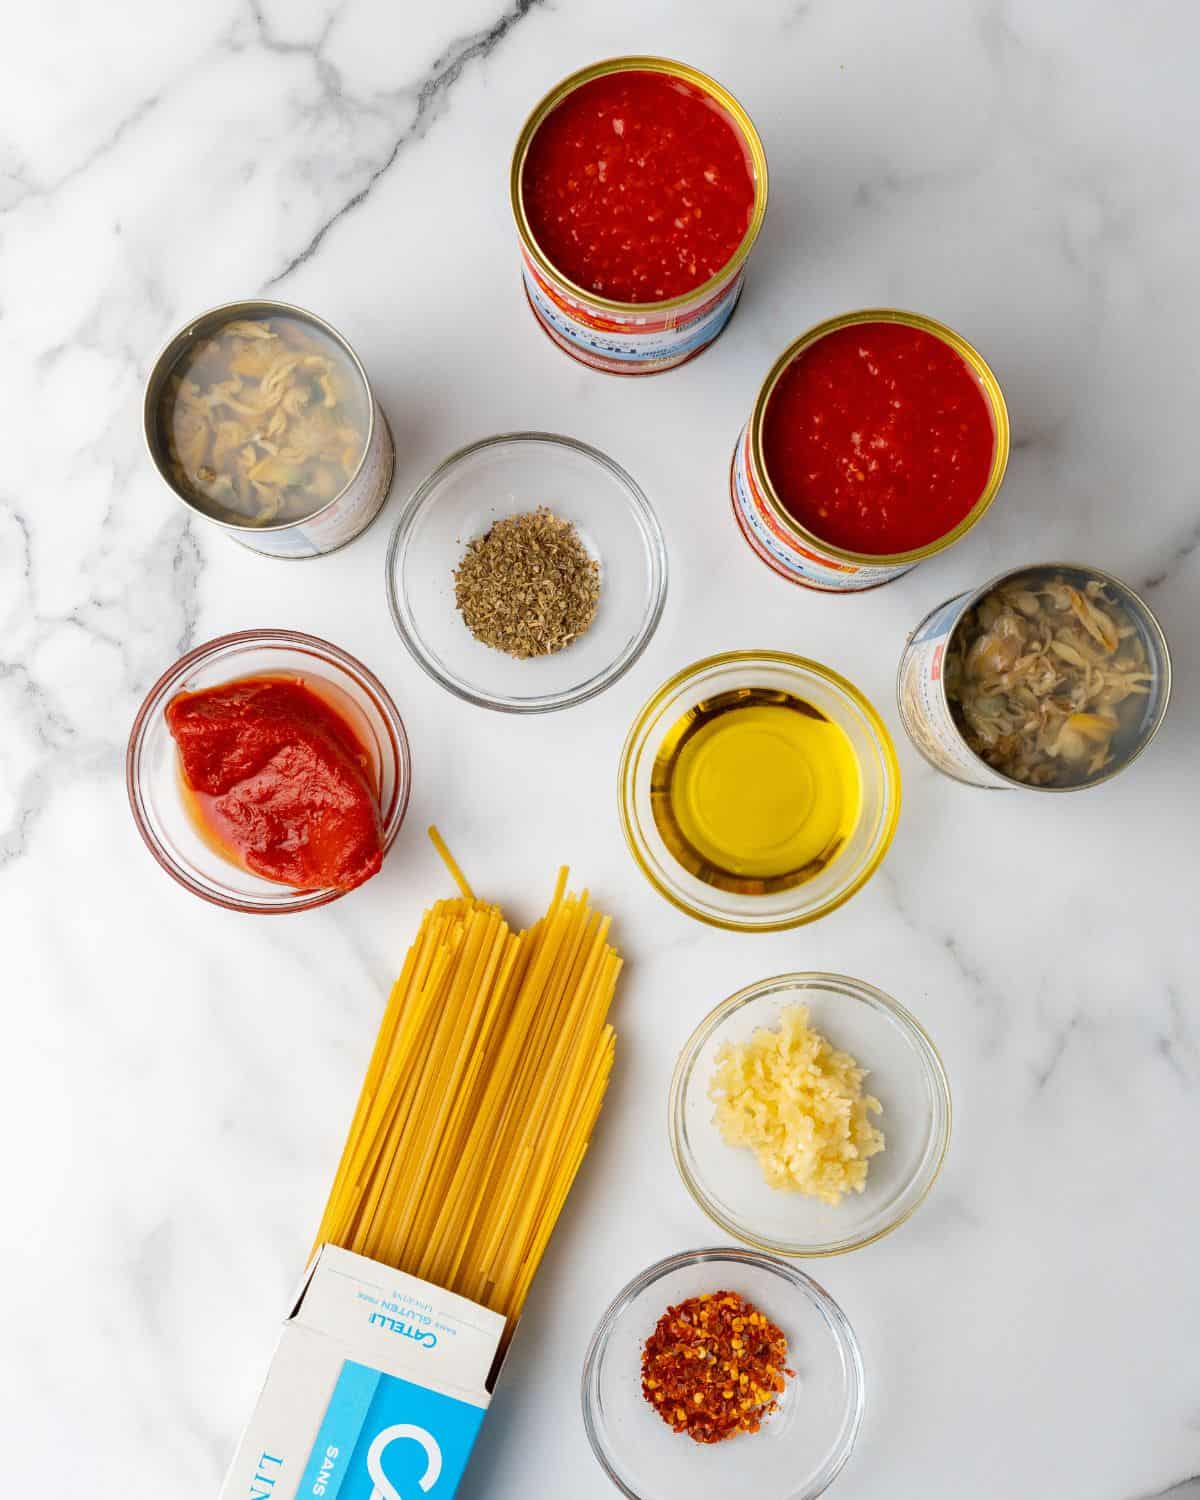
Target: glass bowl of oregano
{"points": [[527, 573]]}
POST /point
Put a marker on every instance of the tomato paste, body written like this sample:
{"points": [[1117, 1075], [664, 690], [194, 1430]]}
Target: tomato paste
{"points": [[279, 782], [637, 187], [878, 438]]}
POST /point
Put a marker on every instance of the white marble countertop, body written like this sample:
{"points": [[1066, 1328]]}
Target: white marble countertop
{"points": [[178, 1078]]}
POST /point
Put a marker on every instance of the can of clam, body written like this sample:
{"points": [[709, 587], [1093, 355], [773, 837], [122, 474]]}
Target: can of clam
{"points": [[878, 439], [260, 418], [1052, 677], [638, 186]]}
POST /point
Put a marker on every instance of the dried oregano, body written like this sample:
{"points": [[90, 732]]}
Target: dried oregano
{"points": [[528, 586]]}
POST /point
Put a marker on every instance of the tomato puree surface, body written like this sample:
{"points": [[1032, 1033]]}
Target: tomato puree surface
{"points": [[878, 438], [637, 187], [279, 782]]}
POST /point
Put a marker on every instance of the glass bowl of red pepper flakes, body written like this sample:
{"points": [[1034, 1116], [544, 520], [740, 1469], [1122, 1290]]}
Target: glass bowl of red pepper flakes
{"points": [[157, 793], [787, 1444]]}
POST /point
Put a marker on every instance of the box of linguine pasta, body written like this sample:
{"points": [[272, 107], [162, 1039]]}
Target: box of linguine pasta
{"points": [[376, 1391]]}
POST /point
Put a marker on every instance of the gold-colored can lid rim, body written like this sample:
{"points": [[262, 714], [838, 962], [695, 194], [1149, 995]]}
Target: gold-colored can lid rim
{"points": [[646, 64], [988, 383]]}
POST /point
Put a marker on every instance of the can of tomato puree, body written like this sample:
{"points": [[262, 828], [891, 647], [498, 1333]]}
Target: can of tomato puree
{"points": [[646, 336], [328, 526], [794, 550]]}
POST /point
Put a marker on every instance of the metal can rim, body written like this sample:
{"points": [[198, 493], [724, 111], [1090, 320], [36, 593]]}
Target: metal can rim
{"points": [[168, 356], [969, 599], [645, 64], [979, 368]]}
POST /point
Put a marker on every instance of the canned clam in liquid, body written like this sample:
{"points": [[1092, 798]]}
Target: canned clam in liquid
{"points": [[794, 550], [718, 148], [925, 707], [261, 419]]}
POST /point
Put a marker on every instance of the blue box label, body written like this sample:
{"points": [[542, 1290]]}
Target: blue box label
{"points": [[383, 1438]]}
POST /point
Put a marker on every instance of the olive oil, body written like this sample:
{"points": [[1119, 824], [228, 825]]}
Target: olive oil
{"points": [[755, 791]]}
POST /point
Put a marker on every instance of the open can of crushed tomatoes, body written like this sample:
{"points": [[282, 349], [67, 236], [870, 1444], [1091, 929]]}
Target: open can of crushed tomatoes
{"points": [[260, 418], [626, 287], [778, 467]]}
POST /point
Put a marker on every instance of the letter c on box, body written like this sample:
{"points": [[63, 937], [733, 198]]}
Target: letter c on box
{"points": [[384, 1488]]}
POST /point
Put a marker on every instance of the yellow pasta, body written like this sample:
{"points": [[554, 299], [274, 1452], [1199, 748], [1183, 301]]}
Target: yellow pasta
{"points": [[480, 1097]]}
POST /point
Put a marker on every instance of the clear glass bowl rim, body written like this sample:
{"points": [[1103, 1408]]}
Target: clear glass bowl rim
{"points": [[689, 1054], [630, 823], [651, 530], [839, 1324], [207, 651]]}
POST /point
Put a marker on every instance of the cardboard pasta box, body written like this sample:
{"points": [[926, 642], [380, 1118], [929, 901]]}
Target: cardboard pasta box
{"points": [[376, 1390]]}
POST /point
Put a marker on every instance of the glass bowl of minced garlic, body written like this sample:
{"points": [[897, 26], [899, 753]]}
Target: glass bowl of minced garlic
{"points": [[810, 1114]]}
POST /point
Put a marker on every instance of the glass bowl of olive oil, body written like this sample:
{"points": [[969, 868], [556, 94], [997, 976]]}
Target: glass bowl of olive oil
{"points": [[758, 790]]}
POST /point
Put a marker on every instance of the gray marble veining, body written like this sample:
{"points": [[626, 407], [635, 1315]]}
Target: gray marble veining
{"points": [[179, 1079]]}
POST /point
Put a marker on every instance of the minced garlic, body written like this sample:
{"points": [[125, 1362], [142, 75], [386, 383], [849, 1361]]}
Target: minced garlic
{"points": [[798, 1104]]}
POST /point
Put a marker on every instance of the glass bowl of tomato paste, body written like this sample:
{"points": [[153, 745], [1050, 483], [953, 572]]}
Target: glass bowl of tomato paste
{"points": [[800, 1446], [168, 813], [513, 475]]}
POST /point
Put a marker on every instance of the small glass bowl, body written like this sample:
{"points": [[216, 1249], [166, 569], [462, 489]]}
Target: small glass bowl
{"points": [[800, 1448], [841, 702], [152, 762], [905, 1074], [503, 476]]}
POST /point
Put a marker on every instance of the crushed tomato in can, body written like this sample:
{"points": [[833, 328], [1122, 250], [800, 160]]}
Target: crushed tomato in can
{"points": [[638, 187], [714, 1366], [878, 438]]}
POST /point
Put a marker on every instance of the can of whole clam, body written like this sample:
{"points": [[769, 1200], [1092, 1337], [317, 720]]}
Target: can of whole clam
{"points": [[260, 418], [793, 549], [645, 336], [1051, 677]]}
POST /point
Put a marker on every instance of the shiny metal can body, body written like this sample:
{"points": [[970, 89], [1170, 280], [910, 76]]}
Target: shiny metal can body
{"points": [[794, 552], [333, 524], [631, 338], [925, 708]]}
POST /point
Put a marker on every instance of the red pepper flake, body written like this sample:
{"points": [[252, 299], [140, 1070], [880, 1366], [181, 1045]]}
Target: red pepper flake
{"points": [[714, 1366]]}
